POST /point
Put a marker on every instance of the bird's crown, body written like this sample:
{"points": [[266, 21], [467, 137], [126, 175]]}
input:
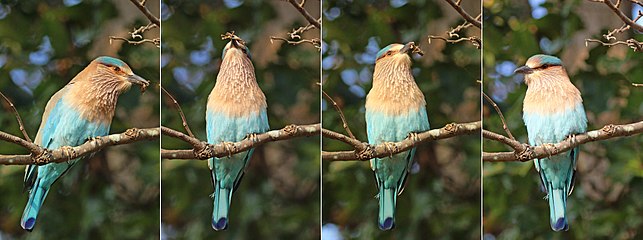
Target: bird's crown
{"points": [[110, 61], [386, 49], [540, 60]]}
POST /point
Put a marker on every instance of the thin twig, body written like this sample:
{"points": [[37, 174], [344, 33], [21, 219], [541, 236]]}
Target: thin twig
{"points": [[302, 10], [315, 41], [146, 12], [633, 44], [178, 107], [15, 112], [502, 117], [155, 41], [464, 14], [341, 114], [637, 84]]}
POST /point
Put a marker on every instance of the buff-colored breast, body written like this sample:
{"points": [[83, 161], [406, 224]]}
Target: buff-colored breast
{"points": [[236, 92], [550, 92], [394, 90]]}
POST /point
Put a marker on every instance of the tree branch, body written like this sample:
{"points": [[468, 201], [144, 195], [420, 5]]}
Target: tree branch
{"points": [[137, 34], [464, 14], [15, 112], [295, 35], [203, 150], [502, 116], [178, 107], [524, 152], [146, 12], [41, 156], [628, 24], [302, 10], [340, 112], [364, 151], [455, 32]]}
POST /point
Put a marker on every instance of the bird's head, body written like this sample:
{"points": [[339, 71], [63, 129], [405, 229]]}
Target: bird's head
{"points": [[116, 73], [395, 54], [236, 48], [540, 65]]}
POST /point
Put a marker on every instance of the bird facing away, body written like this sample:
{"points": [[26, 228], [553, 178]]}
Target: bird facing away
{"points": [[395, 108], [552, 111], [236, 109], [81, 110]]}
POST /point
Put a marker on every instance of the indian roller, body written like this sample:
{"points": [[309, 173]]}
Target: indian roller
{"points": [[395, 109], [553, 111], [236, 109], [81, 110]]}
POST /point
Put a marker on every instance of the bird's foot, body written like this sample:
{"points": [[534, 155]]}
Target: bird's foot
{"points": [[391, 148], [414, 137], [549, 146], [230, 148], [68, 152], [211, 195], [252, 137]]}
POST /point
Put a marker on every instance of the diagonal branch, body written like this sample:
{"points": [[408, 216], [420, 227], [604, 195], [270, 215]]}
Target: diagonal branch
{"points": [[364, 151], [146, 12], [302, 10], [41, 156], [203, 150], [341, 114], [620, 14], [178, 107], [524, 152], [502, 117], [15, 112], [464, 14]]}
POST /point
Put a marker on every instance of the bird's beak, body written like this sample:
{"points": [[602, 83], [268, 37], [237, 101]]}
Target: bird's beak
{"points": [[523, 70], [407, 47], [135, 79]]}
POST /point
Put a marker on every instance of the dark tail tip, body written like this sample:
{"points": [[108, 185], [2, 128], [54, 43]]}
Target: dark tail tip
{"points": [[560, 225], [221, 224], [29, 224], [388, 224]]}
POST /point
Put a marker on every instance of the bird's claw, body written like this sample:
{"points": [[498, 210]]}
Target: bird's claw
{"points": [[230, 148], [391, 148], [68, 151], [252, 137], [414, 137]]}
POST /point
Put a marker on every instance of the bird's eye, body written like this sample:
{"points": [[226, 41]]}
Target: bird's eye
{"points": [[117, 69], [388, 53], [544, 66]]}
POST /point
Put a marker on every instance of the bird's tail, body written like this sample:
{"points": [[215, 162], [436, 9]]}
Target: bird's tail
{"points": [[387, 197], [557, 209], [36, 198], [222, 197]]}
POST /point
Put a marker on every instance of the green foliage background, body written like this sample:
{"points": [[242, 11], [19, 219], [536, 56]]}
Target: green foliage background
{"points": [[442, 197], [279, 195], [115, 195], [606, 200]]}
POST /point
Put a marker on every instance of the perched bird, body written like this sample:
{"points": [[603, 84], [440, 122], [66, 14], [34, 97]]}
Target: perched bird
{"points": [[395, 109], [552, 111], [81, 110], [236, 109]]}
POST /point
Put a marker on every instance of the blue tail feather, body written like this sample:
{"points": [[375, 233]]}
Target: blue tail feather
{"points": [[222, 197], [36, 198], [386, 217], [557, 209]]}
